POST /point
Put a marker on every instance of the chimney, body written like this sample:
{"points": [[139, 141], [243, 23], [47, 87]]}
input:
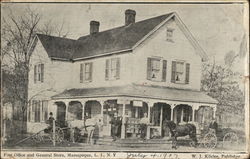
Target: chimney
{"points": [[94, 27], [129, 16]]}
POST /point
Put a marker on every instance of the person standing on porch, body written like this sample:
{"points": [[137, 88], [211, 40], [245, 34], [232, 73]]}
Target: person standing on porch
{"points": [[116, 123], [143, 126]]}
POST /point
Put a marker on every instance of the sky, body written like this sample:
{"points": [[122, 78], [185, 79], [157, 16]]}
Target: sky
{"points": [[217, 28]]}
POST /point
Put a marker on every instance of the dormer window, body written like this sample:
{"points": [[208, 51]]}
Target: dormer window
{"points": [[169, 34], [39, 73]]}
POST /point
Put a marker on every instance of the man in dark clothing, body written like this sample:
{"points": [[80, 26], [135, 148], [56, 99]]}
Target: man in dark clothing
{"points": [[116, 123], [50, 122], [213, 125]]}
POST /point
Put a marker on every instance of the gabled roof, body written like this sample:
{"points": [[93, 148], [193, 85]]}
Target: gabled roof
{"points": [[115, 40], [57, 47], [153, 92], [121, 38]]}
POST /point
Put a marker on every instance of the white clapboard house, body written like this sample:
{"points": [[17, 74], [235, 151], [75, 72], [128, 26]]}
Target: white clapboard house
{"points": [[151, 66]]}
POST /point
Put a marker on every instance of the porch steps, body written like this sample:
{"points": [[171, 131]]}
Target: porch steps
{"points": [[142, 143], [107, 140], [134, 142]]}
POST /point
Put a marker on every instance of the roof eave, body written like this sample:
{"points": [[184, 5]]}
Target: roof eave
{"points": [[104, 54]]}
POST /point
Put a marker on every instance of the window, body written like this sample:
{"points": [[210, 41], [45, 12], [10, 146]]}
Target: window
{"points": [[169, 34], [156, 69], [180, 72], [39, 73], [44, 115], [38, 111], [86, 72], [112, 70]]}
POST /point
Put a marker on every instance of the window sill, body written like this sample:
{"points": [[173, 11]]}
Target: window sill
{"points": [[113, 79], [156, 80], [87, 81], [181, 83]]}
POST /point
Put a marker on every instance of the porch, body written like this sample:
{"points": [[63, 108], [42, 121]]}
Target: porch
{"points": [[130, 103]]}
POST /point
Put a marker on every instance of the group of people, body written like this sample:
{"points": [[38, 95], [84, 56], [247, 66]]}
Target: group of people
{"points": [[92, 128]]}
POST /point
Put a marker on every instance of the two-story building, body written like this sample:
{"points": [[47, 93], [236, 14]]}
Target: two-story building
{"points": [[151, 66]]}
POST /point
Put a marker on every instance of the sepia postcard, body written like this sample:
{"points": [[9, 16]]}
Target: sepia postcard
{"points": [[145, 79]]}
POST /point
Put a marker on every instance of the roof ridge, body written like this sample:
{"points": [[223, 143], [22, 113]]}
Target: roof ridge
{"points": [[123, 26]]}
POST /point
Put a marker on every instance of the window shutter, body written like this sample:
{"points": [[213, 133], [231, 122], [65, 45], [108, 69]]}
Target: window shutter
{"points": [[46, 110], [107, 69], [187, 73], [35, 73], [42, 72], [81, 73], [173, 71], [32, 115], [29, 111], [90, 70], [41, 110], [164, 70], [149, 69], [118, 68]]}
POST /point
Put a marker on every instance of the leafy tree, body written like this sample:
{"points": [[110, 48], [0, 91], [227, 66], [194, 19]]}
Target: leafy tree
{"points": [[222, 84]]}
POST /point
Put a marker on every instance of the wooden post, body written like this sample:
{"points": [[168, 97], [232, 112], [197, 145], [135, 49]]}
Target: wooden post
{"points": [[214, 112], [72, 134], [4, 131], [150, 104], [193, 114], [54, 133], [161, 117], [182, 114], [123, 133], [172, 114], [149, 113], [83, 108], [66, 110], [136, 112]]}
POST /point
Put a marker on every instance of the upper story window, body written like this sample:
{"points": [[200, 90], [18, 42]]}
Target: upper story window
{"points": [[169, 34], [156, 69], [39, 73], [86, 72], [112, 69], [180, 72]]}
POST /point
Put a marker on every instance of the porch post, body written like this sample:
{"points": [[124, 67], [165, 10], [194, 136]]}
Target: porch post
{"points": [[214, 112], [172, 111], [150, 105], [161, 118], [193, 113], [83, 102], [136, 112], [66, 110], [123, 128], [123, 121], [182, 112]]}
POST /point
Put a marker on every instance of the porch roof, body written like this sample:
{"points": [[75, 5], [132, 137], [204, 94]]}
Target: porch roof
{"points": [[151, 92]]}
